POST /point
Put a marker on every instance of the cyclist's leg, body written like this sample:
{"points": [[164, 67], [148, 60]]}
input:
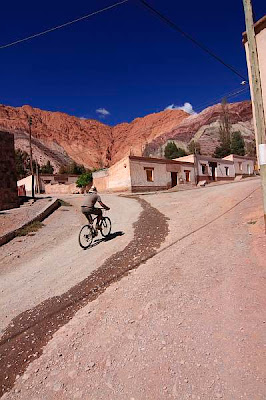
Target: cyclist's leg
{"points": [[98, 212], [89, 217]]}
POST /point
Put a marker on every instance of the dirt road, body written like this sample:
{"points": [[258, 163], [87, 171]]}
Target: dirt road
{"points": [[189, 323]]}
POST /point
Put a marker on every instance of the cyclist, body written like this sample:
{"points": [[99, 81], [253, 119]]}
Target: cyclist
{"points": [[88, 206]]}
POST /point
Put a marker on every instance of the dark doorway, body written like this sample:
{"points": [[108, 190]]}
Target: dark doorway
{"points": [[213, 166], [187, 173], [174, 178]]}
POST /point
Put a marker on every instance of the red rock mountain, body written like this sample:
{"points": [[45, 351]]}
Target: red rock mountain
{"points": [[204, 128], [61, 138]]}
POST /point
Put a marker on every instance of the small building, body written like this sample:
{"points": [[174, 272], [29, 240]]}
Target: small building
{"points": [[138, 174], [244, 165], [211, 169], [8, 179], [58, 183]]}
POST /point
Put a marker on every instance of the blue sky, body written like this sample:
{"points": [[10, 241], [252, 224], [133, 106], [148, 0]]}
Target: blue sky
{"points": [[124, 61]]}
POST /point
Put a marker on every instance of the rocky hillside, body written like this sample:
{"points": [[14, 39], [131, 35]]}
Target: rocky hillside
{"points": [[61, 137], [204, 128]]}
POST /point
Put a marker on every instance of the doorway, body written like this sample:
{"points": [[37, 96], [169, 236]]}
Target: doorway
{"points": [[213, 166], [173, 179], [187, 173]]}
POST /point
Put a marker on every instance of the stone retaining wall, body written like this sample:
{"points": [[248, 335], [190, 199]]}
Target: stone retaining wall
{"points": [[8, 179]]}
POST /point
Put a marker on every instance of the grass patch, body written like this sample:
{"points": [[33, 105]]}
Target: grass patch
{"points": [[252, 222], [31, 228], [64, 203]]}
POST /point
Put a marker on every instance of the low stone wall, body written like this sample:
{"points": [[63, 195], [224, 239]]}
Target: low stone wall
{"points": [[62, 189], [8, 179]]}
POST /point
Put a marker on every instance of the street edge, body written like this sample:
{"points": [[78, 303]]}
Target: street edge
{"points": [[45, 212]]}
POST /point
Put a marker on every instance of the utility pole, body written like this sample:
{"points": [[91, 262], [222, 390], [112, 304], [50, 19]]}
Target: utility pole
{"points": [[257, 97], [31, 164]]}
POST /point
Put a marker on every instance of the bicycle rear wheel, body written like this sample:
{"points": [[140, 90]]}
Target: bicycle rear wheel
{"points": [[85, 236], [106, 227]]}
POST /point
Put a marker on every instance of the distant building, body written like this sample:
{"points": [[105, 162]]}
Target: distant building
{"points": [[136, 174], [8, 179], [211, 169], [244, 165], [140, 174]]}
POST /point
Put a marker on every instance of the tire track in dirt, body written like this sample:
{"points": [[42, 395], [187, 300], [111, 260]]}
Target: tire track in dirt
{"points": [[28, 333]]}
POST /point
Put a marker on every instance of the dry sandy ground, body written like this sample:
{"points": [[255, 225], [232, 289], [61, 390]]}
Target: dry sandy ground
{"points": [[51, 261], [189, 323]]}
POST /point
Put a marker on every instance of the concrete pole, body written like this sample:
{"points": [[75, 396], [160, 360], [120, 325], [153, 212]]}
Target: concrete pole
{"points": [[257, 97], [31, 164]]}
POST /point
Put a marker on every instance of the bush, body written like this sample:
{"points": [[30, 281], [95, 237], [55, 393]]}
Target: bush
{"points": [[172, 151], [84, 179]]}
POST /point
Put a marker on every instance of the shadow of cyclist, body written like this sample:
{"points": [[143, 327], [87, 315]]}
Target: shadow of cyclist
{"points": [[106, 239]]}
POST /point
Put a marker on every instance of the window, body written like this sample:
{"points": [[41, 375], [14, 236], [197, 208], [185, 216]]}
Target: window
{"points": [[226, 171], [204, 169], [240, 166], [149, 174]]}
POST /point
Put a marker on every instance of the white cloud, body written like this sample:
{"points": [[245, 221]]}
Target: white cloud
{"points": [[102, 112], [187, 107]]}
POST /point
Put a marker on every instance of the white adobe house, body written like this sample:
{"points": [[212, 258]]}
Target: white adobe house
{"points": [[139, 174], [220, 169], [135, 174]]}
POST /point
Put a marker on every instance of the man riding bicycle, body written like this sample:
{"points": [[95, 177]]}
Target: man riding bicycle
{"points": [[88, 206]]}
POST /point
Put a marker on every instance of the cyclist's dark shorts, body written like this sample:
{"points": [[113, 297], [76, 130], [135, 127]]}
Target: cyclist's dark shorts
{"points": [[89, 210]]}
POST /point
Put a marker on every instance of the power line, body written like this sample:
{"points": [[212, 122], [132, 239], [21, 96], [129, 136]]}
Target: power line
{"points": [[189, 37], [63, 25], [225, 95]]}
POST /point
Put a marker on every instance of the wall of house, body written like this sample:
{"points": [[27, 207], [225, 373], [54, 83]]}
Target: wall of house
{"points": [[100, 180], [182, 175], [243, 166], [220, 170], [116, 178], [8, 179], [119, 176], [260, 28], [161, 177]]}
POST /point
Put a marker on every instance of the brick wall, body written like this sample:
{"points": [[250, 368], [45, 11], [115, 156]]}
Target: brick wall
{"points": [[8, 179]]}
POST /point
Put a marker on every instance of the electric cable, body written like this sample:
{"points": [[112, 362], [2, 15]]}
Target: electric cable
{"points": [[189, 37], [63, 25]]}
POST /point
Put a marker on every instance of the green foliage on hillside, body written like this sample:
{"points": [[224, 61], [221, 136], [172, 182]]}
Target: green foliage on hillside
{"points": [[171, 151]]}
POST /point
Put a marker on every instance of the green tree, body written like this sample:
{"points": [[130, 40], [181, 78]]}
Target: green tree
{"points": [[237, 144], [172, 151], [72, 168], [47, 169], [62, 170], [194, 147], [84, 179], [224, 149], [251, 148], [22, 160]]}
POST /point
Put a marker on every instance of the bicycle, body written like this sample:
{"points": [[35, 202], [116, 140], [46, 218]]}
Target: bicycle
{"points": [[89, 231]]}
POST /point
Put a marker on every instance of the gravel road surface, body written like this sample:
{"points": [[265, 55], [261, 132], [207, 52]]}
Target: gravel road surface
{"points": [[187, 323]]}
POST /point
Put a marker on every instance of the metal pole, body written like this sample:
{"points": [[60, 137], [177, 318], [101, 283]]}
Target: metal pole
{"points": [[257, 97], [31, 165]]}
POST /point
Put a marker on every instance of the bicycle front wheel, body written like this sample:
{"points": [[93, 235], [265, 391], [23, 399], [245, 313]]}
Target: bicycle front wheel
{"points": [[106, 227], [85, 236]]}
